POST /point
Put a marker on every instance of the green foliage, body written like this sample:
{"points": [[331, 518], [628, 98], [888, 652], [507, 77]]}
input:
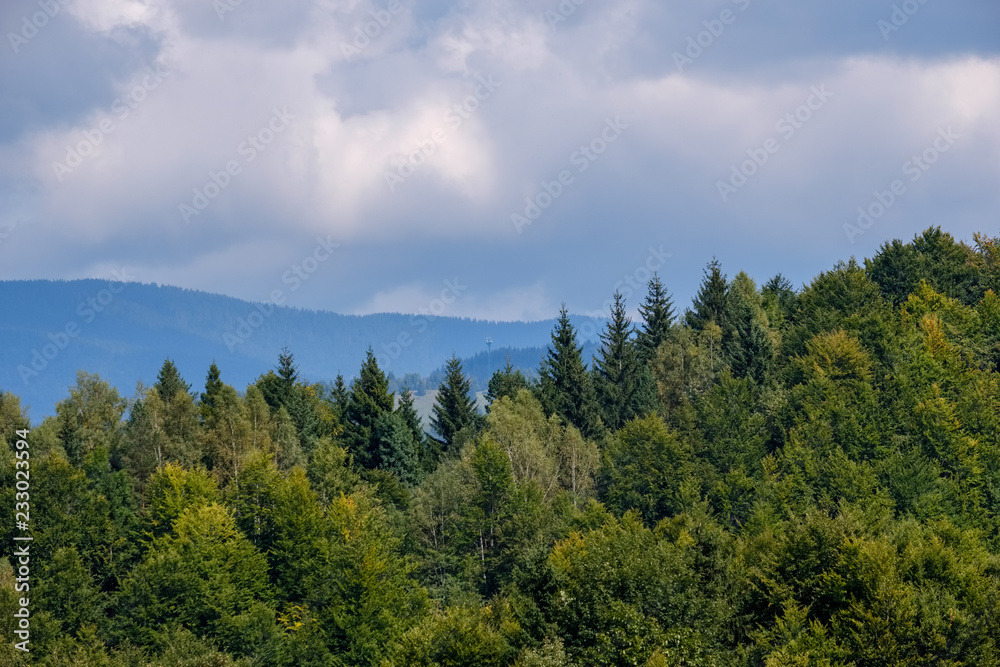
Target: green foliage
{"points": [[710, 302], [369, 399], [206, 577], [657, 316], [454, 409], [565, 386], [816, 483], [506, 382], [646, 469], [623, 382]]}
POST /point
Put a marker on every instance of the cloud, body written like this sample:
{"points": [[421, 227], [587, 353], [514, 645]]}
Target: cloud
{"points": [[416, 150]]}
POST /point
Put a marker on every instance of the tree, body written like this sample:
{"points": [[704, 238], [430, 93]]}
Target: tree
{"points": [[644, 469], [623, 383], [369, 399], [90, 418], [710, 302], [657, 315], [454, 409], [506, 382], [397, 450], [205, 576], [213, 385], [746, 332], [169, 382], [565, 386], [338, 397]]}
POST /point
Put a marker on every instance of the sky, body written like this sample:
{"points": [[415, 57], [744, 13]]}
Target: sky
{"points": [[487, 159]]}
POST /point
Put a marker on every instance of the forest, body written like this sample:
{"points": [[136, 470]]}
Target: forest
{"points": [[770, 477]]}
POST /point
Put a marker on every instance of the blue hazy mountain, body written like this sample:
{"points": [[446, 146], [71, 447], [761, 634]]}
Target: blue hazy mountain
{"points": [[124, 331]]}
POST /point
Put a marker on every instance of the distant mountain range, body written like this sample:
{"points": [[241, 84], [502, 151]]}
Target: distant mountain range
{"points": [[124, 331]]}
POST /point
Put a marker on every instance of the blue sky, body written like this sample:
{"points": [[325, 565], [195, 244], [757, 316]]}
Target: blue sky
{"points": [[534, 152]]}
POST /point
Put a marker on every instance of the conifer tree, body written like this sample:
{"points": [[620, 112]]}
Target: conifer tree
{"points": [[623, 390], [454, 409], [213, 385], [505, 382], [408, 413], [565, 386], [169, 382], [369, 399], [338, 397], [657, 315], [710, 302]]}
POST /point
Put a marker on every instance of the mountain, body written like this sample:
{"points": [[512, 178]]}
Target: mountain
{"points": [[124, 331]]}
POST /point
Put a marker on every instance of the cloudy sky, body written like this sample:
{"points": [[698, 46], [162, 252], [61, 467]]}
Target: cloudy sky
{"points": [[366, 156]]}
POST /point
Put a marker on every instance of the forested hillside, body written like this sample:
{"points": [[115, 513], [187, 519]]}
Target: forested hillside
{"points": [[123, 330], [772, 477]]}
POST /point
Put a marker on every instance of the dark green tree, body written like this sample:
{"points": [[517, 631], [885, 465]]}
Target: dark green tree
{"points": [[169, 382], [369, 399], [397, 448], [454, 408], [505, 382], [213, 385], [657, 315], [565, 386], [710, 302], [623, 383]]}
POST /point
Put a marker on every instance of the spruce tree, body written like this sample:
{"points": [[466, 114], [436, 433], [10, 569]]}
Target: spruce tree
{"points": [[623, 391], [369, 399], [505, 382], [408, 413], [710, 303], [454, 409], [213, 385], [169, 382], [565, 386], [658, 316], [338, 397]]}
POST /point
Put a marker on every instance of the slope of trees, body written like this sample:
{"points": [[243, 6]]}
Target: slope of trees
{"points": [[778, 477]]}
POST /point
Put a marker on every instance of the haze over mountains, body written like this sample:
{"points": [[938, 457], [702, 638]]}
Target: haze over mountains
{"points": [[124, 331]]}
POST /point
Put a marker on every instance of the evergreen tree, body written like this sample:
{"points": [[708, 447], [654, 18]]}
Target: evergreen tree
{"points": [[213, 385], [505, 382], [623, 390], [169, 382], [658, 316], [710, 302], [397, 449], [565, 386], [408, 413], [454, 409], [369, 399], [338, 397], [746, 334]]}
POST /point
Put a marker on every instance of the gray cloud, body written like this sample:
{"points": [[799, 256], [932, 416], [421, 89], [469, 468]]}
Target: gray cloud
{"points": [[411, 101]]}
